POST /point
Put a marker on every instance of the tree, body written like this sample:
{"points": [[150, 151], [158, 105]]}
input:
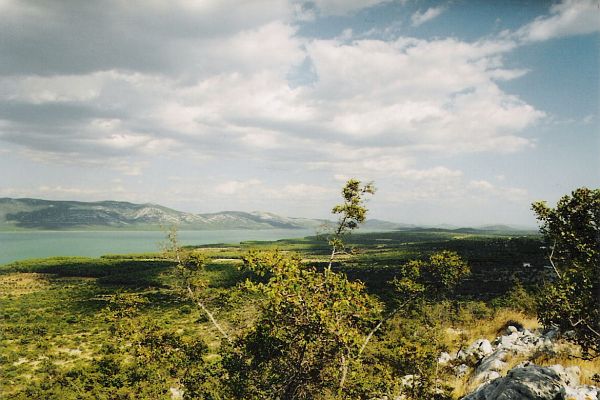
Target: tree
{"points": [[352, 213], [312, 324], [311, 327], [572, 234], [436, 277]]}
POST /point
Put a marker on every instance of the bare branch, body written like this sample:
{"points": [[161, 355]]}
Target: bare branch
{"points": [[550, 258], [209, 314]]}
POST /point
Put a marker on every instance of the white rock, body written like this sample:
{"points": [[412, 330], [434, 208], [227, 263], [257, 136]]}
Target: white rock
{"points": [[444, 358], [531, 382], [176, 393], [476, 351], [580, 393], [461, 370], [569, 375], [528, 383]]}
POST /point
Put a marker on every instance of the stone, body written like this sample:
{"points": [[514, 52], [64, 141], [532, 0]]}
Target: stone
{"points": [[461, 370], [580, 393], [526, 383], [569, 375], [444, 358], [476, 351]]}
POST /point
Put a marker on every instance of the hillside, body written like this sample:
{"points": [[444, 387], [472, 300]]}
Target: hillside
{"points": [[47, 214]]}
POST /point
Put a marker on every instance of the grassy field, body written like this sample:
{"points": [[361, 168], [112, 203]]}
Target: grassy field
{"points": [[53, 310]]}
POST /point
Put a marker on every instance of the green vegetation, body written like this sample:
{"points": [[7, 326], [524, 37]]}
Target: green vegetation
{"points": [[54, 310], [572, 234], [284, 320]]}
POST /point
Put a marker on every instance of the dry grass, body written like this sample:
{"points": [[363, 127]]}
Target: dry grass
{"points": [[464, 334], [18, 284]]}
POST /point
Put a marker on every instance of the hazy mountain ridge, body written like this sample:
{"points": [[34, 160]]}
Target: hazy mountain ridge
{"points": [[47, 214], [29, 213]]}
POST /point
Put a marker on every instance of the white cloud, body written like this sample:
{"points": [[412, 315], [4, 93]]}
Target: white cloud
{"points": [[419, 18], [236, 187], [343, 7], [567, 18], [390, 100], [443, 186]]}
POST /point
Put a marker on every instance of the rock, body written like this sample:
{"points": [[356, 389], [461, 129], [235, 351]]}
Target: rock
{"points": [[476, 351], [526, 383], [580, 393], [493, 363], [487, 376], [176, 393], [511, 329], [569, 375], [461, 370], [445, 358], [407, 380], [551, 334]]}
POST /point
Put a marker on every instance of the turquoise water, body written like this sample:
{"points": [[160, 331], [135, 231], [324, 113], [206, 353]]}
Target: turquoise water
{"points": [[21, 245]]}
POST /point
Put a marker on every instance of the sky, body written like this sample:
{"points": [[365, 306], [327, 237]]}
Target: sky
{"points": [[461, 112]]}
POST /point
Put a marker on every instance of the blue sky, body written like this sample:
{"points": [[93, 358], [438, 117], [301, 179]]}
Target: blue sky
{"points": [[461, 112]]}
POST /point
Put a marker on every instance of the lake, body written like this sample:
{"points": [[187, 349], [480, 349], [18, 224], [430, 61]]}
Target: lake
{"points": [[36, 244]]}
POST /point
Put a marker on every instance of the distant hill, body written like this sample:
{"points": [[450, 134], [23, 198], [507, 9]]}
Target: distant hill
{"points": [[47, 214], [74, 215]]}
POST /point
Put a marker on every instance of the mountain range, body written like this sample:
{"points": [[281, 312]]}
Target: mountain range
{"points": [[37, 214]]}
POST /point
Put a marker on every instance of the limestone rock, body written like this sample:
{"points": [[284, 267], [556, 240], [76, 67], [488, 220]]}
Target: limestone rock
{"points": [[532, 382], [526, 383]]}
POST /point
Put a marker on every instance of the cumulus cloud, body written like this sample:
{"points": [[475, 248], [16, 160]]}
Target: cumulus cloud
{"points": [[225, 91], [419, 18], [567, 18]]}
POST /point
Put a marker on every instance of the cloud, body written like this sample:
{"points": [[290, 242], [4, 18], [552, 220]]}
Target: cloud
{"points": [[309, 10], [236, 187], [61, 192], [390, 99], [567, 18], [224, 92], [440, 185], [419, 18], [55, 38]]}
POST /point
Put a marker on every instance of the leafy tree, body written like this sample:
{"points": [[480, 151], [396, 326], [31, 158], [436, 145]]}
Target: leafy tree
{"points": [[572, 233], [312, 324], [439, 275], [411, 347], [352, 213], [311, 327], [434, 278]]}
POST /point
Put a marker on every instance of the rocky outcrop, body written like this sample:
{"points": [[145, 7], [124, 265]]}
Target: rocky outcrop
{"points": [[489, 359], [532, 382], [526, 381]]}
